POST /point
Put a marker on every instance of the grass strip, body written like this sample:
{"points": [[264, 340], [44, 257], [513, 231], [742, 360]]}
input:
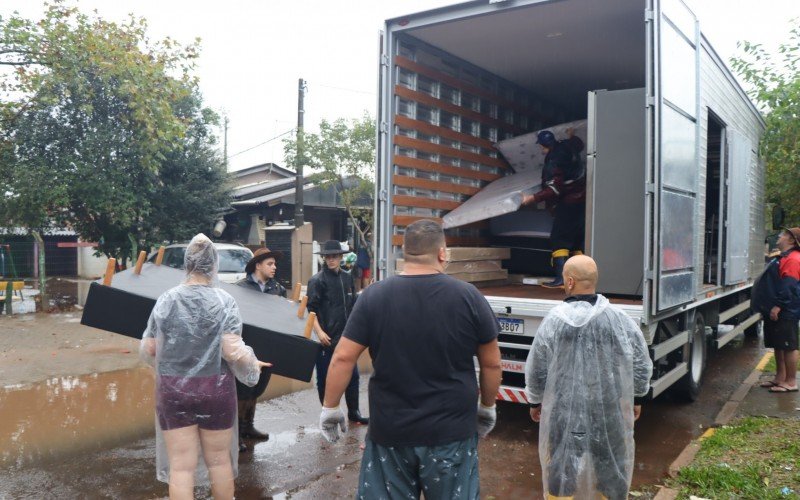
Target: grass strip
{"points": [[753, 458], [771, 367]]}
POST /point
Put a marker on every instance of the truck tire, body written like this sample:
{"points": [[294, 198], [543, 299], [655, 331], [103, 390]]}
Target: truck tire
{"points": [[695, 356]]}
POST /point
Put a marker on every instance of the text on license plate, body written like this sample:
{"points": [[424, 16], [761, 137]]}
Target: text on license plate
{"points": [[511, 325]]}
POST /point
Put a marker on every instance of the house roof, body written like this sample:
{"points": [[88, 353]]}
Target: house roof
{"points": [[260, 188], [264, 167], [275, 192], [273, 198]]}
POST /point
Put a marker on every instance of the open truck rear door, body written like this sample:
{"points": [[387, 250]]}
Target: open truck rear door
{"points": [[673, 139]]}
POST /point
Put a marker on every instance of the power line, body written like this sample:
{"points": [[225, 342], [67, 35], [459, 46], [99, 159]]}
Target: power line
{"points": [[261, 144]]}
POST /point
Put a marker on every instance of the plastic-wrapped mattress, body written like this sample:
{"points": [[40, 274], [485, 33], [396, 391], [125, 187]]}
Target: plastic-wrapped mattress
{"points": [[504, 196]]}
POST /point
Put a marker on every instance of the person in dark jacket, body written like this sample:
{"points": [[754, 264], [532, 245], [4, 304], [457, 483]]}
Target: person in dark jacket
{"points": [[261, 278], [564, 193], [364, 261], [331, 295], [776, 295]]}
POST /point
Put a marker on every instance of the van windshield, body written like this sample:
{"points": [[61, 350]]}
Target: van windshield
{"points": [[233, 260]]}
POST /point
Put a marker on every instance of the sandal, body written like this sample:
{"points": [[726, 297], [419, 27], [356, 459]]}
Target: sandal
{"points": [[769, 383], [783, 388]]}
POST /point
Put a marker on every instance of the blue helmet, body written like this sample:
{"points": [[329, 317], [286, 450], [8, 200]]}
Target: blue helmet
{"points": [[545, 138]]}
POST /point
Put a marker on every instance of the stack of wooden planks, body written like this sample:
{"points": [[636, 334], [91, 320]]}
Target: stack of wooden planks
{"points": [[474, 264]]}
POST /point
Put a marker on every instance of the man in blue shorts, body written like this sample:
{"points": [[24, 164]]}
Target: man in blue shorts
{"points": [[422, 328]]}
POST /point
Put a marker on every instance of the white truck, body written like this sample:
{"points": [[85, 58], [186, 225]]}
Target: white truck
{"points": [[675, 186]]}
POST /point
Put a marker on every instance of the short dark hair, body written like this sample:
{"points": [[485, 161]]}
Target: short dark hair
{"points": [[423, 238]]}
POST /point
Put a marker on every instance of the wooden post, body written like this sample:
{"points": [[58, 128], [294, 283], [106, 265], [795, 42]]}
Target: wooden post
{"points": [[45, 301], [110, 267], [160, 256], [140, 262], [10, 295], [301, 311], [296, 292], [312, 318]]}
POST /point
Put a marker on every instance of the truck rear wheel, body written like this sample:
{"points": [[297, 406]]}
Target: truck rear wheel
{"points": [[695, 357]]}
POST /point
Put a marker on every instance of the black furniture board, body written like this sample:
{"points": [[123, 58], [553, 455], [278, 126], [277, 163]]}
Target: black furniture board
{"points": [[271, 325], [116, 310]]}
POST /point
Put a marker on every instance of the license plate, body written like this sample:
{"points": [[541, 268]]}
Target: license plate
{"points": [[511, 325]]}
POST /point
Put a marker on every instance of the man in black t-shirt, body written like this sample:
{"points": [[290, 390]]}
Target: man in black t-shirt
{"points": [[422, 329]]}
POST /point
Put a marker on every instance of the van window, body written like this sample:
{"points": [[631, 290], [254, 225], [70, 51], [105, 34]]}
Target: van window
{"points": [[233, 260], [173, 257]]}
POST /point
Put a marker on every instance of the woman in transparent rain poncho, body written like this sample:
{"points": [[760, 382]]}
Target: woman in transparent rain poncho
{"points": [[194, 341], [587, 362]]}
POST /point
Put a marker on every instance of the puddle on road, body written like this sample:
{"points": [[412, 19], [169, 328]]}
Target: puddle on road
{"points": [[63, 416], [282, 442], [76, 414], [65, 294]]}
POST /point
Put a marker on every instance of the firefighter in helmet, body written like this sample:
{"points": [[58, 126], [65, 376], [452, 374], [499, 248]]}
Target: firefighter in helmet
{"points": [[563, 190]]}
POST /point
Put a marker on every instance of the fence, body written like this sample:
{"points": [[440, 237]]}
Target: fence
{"points": [[18, 257]]}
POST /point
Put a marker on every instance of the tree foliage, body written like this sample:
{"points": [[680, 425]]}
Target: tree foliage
{"points": [[775, 86], [98, 124], [194, 187], [342, 156]]}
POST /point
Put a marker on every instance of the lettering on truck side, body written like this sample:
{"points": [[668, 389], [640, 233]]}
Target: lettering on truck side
{"points": [[513, 366]]}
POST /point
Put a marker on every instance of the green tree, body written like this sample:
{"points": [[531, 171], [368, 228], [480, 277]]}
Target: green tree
{"points": [[194, 188], [775, 85], [342, 156], [98, 125]]}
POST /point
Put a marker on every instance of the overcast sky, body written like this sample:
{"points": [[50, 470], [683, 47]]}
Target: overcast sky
{"points": [[254, 51]]}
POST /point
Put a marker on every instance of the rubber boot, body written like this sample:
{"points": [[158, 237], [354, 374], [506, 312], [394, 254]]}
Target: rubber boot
{"points": [[351, 398], [558, 266], [241, 412], [248, 430]]}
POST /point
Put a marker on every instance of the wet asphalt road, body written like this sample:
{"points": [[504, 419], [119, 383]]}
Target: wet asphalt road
{"points": [[297, 463]]}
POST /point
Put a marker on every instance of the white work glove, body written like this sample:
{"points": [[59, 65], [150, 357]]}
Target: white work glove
{"points": [[332, 423], [487, 417]]}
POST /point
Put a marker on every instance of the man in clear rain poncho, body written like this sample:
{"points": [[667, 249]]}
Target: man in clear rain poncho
{"points": [[587, 362], [194, 341]]}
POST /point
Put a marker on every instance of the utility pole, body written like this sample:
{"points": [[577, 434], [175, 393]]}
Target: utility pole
{"points": [[298, 188], [225, 141]]}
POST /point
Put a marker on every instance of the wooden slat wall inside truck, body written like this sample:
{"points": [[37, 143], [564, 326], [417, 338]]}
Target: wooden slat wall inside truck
{"points": [[448, 116]]}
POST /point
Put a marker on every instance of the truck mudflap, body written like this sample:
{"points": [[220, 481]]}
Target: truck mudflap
{"points": [[512, 394]]}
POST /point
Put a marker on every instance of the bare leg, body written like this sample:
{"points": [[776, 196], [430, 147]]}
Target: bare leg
{"points": [[780, 366], [790, 363], [217, 454], [183, 447]]}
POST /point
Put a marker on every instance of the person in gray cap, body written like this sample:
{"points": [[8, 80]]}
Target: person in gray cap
{"points": [[331, 295]]}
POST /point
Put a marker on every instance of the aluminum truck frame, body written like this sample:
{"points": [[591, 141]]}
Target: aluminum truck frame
{"points": [[675, 196]]}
